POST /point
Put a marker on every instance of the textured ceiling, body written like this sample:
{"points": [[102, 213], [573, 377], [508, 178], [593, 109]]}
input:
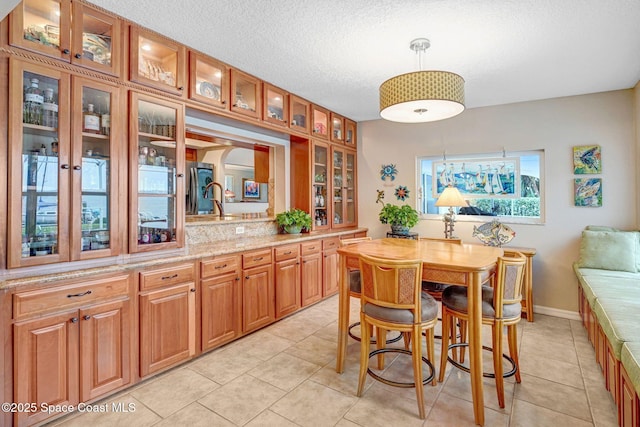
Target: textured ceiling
{"points": [[336, 53]]}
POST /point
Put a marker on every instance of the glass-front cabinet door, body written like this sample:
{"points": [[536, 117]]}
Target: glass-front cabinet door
{"points": [[156, 176], [246, 94], [298, 114], [39, 165], [95, 153], [337, 128], [320, 118], [321, 200], [276, 105], [208, 81], [343, 165], [157, 61], [43, 26], [96, 40], [350, 135]]}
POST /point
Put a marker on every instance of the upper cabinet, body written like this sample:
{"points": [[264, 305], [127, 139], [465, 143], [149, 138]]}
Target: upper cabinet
{"points": [[320, 120], [208, 81], [157, 61], [276, 105], [337, 128], [350, 135], [298, 114], [91, 39], [246, 94]]}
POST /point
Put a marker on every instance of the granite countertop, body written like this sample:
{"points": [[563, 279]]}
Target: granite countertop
{"points": [[190, 253]]}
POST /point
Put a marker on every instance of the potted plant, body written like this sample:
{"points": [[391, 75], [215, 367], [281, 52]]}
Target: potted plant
{"points": [[401, 218], [294, 220]]}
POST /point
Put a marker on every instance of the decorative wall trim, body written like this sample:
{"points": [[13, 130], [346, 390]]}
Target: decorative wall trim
{"points": [[556, 312]]}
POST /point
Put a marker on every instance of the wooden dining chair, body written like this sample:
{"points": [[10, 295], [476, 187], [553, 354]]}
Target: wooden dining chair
{"points": [[392, 300], [500, 307]]}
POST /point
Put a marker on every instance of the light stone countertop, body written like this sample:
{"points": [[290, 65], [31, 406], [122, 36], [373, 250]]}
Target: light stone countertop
{"points": [[192, 252]]}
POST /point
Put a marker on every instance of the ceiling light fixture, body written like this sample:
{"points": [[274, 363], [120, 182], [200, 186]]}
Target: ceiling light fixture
{"points": [[422, 96]]}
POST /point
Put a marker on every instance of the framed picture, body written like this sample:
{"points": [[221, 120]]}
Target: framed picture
{"points": [[587, 159], [479, 178], [587, 192], [250, 189]]}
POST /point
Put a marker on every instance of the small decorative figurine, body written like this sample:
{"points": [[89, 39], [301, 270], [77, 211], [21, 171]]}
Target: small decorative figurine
{"points": [[402, 193], [380, 196]]}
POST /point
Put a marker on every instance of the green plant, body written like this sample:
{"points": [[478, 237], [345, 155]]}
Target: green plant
{"points": [[404, 215], [293, 220]]}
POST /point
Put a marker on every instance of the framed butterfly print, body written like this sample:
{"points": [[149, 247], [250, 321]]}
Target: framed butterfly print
{"points": [[587, 159]]}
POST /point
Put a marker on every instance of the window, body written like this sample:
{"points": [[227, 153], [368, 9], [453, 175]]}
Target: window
{"points": [[478, 182]]}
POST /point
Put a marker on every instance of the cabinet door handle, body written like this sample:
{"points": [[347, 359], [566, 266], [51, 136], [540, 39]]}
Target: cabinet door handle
{"points": [[74, 320], [223, 102], [78, 56], [237, 279], [180, 175], [169, 277], [65, 166], [77, 167], [181, 88], [79, 295], [86, 317], [218, 267], [193, 289], [246, 277], [288, 253], [258, 259], [66, 51]]}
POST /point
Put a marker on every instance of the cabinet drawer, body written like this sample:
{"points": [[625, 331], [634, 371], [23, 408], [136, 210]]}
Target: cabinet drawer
{"points": [[255, 258], [309, 248], [167, 276], [330, 243], [66, 297], [219, 266], [286, 252]]}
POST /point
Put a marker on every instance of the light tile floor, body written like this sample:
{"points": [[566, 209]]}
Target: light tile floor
{"points": [[284, 375]]}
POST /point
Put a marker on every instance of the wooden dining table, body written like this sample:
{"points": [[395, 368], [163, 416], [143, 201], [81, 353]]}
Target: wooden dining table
{"points": [[443, 262]]}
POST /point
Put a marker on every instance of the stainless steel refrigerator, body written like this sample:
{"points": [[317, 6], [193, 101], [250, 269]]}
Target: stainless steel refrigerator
{"points": [[199, 175]]}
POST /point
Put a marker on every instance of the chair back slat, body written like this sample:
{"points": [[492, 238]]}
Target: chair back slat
{"points": [[509, 280], [391, 283]]}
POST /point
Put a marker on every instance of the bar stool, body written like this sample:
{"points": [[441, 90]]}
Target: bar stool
{"points": [[500, 307], [392, 299]]}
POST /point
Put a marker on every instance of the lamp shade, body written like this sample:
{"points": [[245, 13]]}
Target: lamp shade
{"points": [[422, 96], [451, 197]]}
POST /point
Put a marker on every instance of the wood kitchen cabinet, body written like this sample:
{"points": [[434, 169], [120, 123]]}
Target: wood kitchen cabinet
{"points": [[287, 279], [350, 135], [337, 128], [246, 94], [311, 272], [63, 167], [208, 81], [93, 39], [299, 114], [343, 180], [276, 105], [72, 343], [221, 300], [167, 317], [321, 186], [156, 174], [330, 266], [157, 61], [319, 122], [258, 299]]}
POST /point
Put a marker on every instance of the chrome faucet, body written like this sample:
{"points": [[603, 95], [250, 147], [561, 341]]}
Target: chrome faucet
{"points": [[218, 203]]}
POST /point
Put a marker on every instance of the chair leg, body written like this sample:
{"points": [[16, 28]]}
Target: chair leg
{"points": [[364, 353], [463, 337], [381, 340], [496, 335], [431, 354], [407, 340], [512, 332], [444, 349], [416, 356]]}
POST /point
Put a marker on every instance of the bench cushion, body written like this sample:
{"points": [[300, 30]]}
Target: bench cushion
{"points": [[619, 321], [630, 358], [609, 286]]}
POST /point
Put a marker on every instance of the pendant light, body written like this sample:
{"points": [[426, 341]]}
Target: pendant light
{"points": [[422, 96]]}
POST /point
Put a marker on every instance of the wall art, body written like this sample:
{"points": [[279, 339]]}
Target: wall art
{"points": [[250, 189], [479, 178], [587, 192], [587, 159], [402, 193]]}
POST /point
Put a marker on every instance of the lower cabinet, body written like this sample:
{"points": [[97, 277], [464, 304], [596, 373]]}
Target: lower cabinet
{"points": [[76, 354], [221, 295], [167, 317], [287, 279], [629, 406], [330, 266], [311, 272], [258, 302]]}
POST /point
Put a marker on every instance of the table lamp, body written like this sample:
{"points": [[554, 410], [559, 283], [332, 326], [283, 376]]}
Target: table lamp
{"points": [[450, 197]]}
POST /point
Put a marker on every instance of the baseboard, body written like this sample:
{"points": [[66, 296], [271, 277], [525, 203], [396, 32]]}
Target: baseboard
{"points": [[556, 312]]}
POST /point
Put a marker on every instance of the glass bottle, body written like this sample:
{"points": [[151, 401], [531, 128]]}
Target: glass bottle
{"points": [[33, 99], [49, 110], [91, 120], [105, 124]]}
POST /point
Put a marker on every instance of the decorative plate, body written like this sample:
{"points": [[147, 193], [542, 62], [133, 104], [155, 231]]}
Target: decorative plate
{"points": [[209, 90]]}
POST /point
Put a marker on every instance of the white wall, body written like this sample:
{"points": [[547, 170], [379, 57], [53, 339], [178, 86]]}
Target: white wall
{"points": [[555, 125]]}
